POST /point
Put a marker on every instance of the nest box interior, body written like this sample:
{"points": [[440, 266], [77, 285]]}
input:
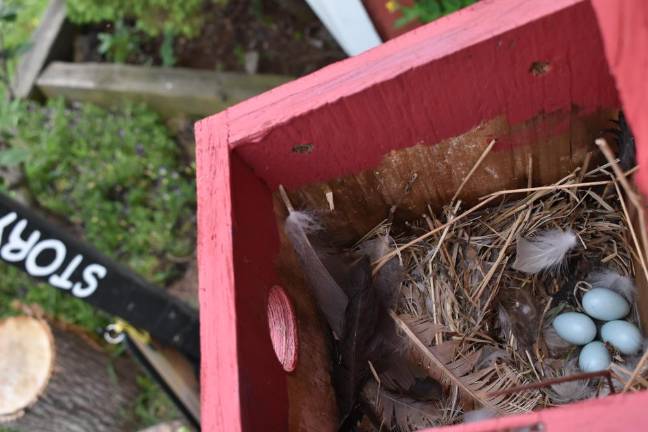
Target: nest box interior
{"points": [[531, 75]]}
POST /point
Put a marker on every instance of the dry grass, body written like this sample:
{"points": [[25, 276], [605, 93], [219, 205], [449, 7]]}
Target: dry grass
{"points": [[459, 276]]}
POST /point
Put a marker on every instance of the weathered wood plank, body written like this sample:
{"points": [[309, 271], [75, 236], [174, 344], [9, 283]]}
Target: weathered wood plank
{"points": [[169, 91], [52, 40]]}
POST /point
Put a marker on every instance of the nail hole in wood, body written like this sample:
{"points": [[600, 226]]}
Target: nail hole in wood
{"points": [[302, 148], [283, 328], [539, 68]]}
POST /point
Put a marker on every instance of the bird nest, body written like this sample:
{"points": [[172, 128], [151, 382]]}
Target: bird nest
{"points": [[473, 317]]}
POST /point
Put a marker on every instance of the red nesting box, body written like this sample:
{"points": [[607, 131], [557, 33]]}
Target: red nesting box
{"points": [[531, 74]]}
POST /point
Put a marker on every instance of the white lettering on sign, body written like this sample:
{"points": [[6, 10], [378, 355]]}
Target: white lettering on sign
{"points": [[90, 275], [16, 248], [45, 257], [35, 269], [63, 280]]}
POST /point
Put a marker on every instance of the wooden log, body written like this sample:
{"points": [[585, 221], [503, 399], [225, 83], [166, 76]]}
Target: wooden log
{"points": [[51, 40], [26, 362], [88, 391], [170, 91]]}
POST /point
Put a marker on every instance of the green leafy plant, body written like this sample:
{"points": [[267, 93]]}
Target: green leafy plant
{"points": [[426, 10], [166, 50], [118, 176], [152, 404], [120, 44], [153, 17]]}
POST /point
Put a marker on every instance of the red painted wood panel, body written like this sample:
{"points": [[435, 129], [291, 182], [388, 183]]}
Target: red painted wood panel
{"points": [[219, 371], [427, 85], [619, 413], [243, 383], [624, 25]]}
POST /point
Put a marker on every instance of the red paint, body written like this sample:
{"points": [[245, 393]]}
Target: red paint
{"points": [[626, 412], [624, 25], [283, 328], [433, 83], [237, 240]]}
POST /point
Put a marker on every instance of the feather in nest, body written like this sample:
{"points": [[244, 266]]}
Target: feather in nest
{"points": [[543, 252], [613, 281], [356, 346], [472, 385], [400, 375], [570, 391], [331, 298], [557, 346], [388, 279], [518, 315], [401, 412]]}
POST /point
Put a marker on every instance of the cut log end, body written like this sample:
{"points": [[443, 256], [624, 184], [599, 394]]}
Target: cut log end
{"points": [[26, 363]]}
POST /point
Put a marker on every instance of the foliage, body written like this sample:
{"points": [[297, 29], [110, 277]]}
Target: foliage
{"points": [[166, 50], [116, 175], [21, 17], [120, 44], [15, 29], [16, 284], [152, 404], [154, 17], [426, 10]]}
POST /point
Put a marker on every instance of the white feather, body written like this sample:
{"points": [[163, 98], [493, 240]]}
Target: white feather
{"points": [[544, 251], [613, 281]]}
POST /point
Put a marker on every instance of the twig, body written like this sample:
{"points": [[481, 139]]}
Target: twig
{"points": [[381, 261], [499, 259], [530, 171], [445, 232], [547, 188], [473, 169], [584, 166], [635, 372], [618, 172], [553, 381], [286, 200]]}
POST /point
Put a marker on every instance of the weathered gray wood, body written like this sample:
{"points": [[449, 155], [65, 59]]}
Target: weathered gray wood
{"points": [[52, 40], [169, 91], [88, 391]]}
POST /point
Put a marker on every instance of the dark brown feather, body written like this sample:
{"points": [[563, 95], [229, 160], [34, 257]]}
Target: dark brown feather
{"points": [[518, 315], [356, 345]]}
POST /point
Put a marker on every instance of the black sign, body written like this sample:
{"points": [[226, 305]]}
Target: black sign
{"points": [[51, 255]]}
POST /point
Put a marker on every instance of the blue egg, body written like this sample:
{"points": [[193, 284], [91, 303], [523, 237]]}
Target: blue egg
{"points": [[575, 327], [605, 304], [622, 335], [594, 357]]}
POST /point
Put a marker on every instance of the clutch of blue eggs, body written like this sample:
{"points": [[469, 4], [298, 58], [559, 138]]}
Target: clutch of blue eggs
{"points": [[605, 322]]}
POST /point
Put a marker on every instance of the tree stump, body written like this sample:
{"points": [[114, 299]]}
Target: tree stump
{"points": [[26, 362], [87, 391]]}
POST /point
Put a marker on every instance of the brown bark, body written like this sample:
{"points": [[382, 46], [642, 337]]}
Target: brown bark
{"points": [[88, 391]]}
